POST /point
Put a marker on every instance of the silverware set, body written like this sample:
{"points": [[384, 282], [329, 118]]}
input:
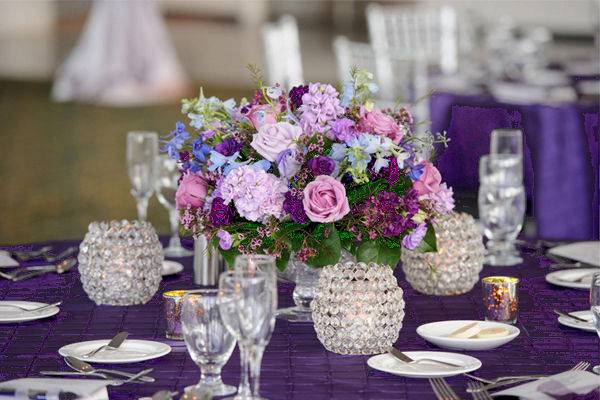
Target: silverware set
{"points": [[115, 377], [43, 253], [479, 387], [31, 272]]}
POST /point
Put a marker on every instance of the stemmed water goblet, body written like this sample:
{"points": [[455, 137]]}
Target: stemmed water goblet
{"points": [[248, 301], [142, 150], [167, 175], [595, 307], [501, 206], [507, 141], [208, 341]]}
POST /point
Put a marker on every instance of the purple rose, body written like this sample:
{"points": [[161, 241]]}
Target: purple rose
{"points": [[321, 165], [287, 164], [225, 239], [325, 200], [414, 239], [343, 129], [220, 213], [228, 147]]}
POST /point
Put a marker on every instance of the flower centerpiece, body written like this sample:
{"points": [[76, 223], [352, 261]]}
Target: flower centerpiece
{"points": [[308, 173]]}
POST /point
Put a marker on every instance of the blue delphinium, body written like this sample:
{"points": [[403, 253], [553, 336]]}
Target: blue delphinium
{"points": [[200, 150], [178, 138]]}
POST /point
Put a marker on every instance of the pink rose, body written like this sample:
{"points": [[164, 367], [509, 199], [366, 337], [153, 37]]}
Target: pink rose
{"points": [[430, 180], [377, 122], [272, 139], [325, 200], [191, 191], [261, 115]]}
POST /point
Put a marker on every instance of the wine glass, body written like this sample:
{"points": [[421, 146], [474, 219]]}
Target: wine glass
{"points": [[246, 303], [595, 307], [208, 341], [167, 175], [507, 141], [142, 150], [501, 206]]}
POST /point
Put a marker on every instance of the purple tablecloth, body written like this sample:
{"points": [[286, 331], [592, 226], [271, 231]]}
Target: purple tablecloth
{"points": [[560, 160], [296, 366]]}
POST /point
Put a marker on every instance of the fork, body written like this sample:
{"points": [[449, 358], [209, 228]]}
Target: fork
{"points": [[478, 391], [442, 390], [58, 303], [580, 366], [65, 253]]}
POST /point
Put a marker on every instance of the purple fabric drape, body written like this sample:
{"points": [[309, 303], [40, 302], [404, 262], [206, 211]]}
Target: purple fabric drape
{"points": [[559, 161], [295, 364]]}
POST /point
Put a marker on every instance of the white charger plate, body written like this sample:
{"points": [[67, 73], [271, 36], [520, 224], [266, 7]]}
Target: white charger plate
{"points": [[437, 333], [573, 323], [390, 364], [171, 267], [558, 278], [10, 314], [130, 351]]}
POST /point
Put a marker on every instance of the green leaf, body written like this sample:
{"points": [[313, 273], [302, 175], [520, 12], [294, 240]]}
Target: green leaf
{"points": [[328, 247], [283, 259], [378, 252], [401, 185], [429, 243], [359, 193], [346, 239]]}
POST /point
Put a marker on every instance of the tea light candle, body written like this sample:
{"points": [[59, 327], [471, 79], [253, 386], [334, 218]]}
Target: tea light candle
{"points": [[500, 298], [172, 304]]}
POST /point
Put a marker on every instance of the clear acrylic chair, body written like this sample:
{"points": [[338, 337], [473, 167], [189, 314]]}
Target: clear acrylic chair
{"points": [[282, 52]]}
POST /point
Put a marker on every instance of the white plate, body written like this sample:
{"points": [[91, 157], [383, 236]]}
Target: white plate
{"points": [[388, 363], [171, 267], [573, 323], [587, 252], [129, 352], [437, 333], [11, 314], [561, 278]]}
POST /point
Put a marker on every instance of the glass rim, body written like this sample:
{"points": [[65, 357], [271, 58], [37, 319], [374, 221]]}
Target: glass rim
{"points": [[500, 156], [173, 294], [247, 275], [507, 130], [500, 279], [142, 133], [263, 257]]}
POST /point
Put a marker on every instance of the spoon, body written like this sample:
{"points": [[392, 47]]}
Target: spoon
{"points": [[82, 366]]}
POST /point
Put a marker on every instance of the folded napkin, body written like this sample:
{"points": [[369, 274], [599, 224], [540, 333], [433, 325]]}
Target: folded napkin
{"points": [[87, 389], [587, 252], [6, 260], [555, 386]]}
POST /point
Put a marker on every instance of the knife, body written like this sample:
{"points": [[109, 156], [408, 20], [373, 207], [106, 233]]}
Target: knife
{"points": [[569, 315], [114, 344]]}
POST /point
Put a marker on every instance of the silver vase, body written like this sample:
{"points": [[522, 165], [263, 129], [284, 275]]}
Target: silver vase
{"points": [[208, 263]]}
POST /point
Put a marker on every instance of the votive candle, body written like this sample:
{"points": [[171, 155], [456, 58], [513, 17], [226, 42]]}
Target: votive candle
{"points": [[500, 298], [172, 304]]}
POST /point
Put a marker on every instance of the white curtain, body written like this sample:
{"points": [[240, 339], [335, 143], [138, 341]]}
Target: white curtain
{"points": [[123, 57]]}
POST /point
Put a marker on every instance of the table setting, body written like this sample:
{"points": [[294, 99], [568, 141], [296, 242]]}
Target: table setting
{"points": [[322, 258]]}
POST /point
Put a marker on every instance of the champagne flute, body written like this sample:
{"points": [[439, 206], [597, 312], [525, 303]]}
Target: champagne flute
{"points": [[142, 150], [246, 304], [595, 307], [167, 175]]}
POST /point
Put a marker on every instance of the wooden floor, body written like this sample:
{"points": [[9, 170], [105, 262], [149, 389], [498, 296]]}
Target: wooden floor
{"points": [[63, 165]]}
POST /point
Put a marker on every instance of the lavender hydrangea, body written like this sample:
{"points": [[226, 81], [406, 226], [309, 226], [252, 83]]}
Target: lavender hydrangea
{"points": [[320, 107], [442, 201], [255, 193], [343, 129]]}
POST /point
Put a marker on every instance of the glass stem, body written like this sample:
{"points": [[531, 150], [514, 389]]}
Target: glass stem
{"points": [[255, 363], [174, 242], [244, 387], [210, 375], [142, 208]]}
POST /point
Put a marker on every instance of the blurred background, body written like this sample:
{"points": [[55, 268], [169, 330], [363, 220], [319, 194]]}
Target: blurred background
{"points": [[76, 76]]}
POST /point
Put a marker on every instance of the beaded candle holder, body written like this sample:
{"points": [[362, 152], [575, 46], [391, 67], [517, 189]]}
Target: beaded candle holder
{"points": [[500, 298], [358, 308], [454, 268], [120, 262]]}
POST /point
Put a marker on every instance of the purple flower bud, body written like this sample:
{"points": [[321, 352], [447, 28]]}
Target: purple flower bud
{"points": [[228, 147], [220, 213], [321, 165]]}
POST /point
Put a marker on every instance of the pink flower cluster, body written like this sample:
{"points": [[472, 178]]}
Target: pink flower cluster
{"points": [[430, 188], [255, 193], [320, 107]]}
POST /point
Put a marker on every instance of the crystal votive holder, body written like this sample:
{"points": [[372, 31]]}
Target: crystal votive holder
{"points": [[172, 304], [500, 298]]}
